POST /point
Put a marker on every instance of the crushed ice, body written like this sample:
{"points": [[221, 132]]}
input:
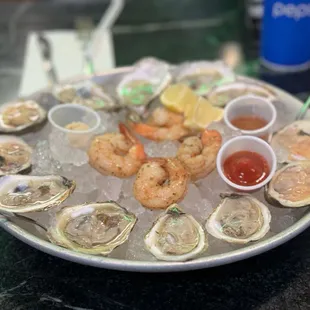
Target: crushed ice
{"points": [[42, 161], [62, 150], [109, 187], [110, 121], [161, 149], [226, 132]]}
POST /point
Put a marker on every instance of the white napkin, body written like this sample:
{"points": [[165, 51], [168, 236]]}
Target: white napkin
{"points": [[67, 58]]}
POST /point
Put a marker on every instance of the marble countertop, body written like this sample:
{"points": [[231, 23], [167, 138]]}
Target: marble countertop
{"points": [[30, 279]]}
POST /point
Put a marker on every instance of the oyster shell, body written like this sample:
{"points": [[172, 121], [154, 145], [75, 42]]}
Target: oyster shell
{"points": [[239, 219], [20, 115], [200, 76], [95, 228], [139, 87], [175, 236], [221, 95], [290, 186], [20, 193], [292, 143], [86, 93], [15, 155]]}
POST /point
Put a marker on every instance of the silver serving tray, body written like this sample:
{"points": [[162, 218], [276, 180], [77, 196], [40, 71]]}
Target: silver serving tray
{"points": [[28, 233]]}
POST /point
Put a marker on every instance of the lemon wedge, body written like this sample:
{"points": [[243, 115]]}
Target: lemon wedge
{"points": [[202, 114], [198, 111], [177, 97]]}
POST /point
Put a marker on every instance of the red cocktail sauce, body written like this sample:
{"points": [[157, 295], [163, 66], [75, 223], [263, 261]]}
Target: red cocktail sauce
{"points": [[246, 168]]}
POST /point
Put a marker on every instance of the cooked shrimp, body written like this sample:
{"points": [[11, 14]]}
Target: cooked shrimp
{"points": [[162, 125], [161, 182], [199, 155], [118, 154]]}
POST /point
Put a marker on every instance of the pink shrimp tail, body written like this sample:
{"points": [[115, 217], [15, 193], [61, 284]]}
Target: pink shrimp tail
{"points": [[210, 137], [127, 133], [138, 146], [145, 130]]}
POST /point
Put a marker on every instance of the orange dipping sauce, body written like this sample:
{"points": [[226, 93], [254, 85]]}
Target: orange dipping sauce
{"points": [[246, 168], [249, 122]]}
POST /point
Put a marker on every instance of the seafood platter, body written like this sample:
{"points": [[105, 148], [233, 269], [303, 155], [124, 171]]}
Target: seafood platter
{"points": [[155, 167]]}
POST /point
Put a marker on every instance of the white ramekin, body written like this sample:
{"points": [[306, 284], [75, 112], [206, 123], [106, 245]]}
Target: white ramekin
{"points": [[251, 105], [246, 143]]}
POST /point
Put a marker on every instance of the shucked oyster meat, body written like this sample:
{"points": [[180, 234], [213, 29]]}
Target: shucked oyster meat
{"points": [[20, 115], [221, 95], [239, 219], [290, 186], [86, 93], [292, 143], [95, 228], [202, 75], [15, 155], [148, 79], [175, 236], [19, 193]]}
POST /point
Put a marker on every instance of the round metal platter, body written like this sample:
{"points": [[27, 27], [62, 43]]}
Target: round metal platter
{"points": [[29, 234]]}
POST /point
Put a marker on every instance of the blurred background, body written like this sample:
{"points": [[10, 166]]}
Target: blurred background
{"points": [[173, 30]]}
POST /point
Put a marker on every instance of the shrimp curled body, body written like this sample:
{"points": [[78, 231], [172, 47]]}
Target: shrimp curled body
{"points": [[117, 154], [161, 182], [199, 155], [162, 125]]}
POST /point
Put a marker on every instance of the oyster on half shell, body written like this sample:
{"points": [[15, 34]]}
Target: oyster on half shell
{"points": [[94, 228], [148, 79], [175, 236], [200, 76], [15, 155], [20, 193], [239, 219], [20, 115], [86, 93], [290, 186], [221, 95], [292, 143]]}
